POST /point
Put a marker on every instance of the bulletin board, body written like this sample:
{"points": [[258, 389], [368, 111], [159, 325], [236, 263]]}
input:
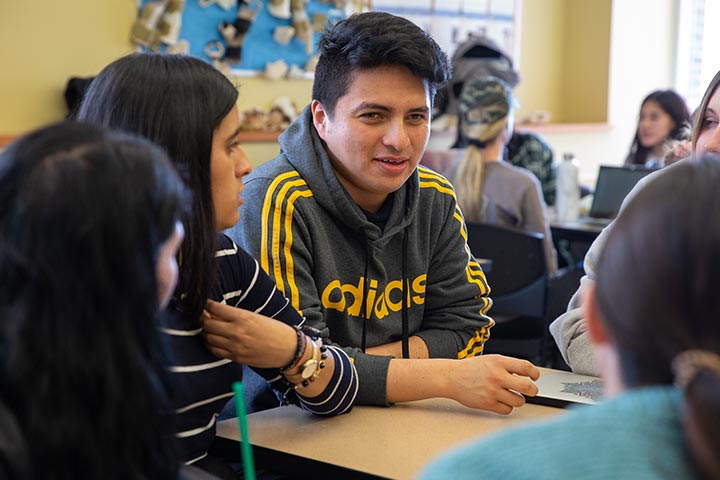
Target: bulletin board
{"points": [[448, 21], [200, 25]]}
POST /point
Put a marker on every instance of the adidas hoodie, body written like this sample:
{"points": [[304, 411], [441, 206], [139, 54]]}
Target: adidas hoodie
{"points": [[347, 276]]}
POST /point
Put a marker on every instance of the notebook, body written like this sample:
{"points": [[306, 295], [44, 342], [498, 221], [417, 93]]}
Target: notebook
{"points": [[612, 186], [561, 389]]}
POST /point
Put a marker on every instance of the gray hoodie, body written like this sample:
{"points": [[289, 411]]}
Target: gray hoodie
{"points": [[326, 256], [569, 329]]}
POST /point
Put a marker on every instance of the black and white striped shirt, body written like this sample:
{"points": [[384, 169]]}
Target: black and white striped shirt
{"points": [[202, 383]]}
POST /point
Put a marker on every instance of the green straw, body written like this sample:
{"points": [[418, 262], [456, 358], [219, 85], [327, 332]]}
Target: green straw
{"points": [[245, 447]]}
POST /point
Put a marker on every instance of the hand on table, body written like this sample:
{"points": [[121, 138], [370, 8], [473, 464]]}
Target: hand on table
{"points": [[247, 337], [492, 382]]}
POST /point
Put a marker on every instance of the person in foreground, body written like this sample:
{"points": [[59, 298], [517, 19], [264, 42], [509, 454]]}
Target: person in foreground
{"points": [[223, 298], [369, 247], [490, 190], [659, 355], [569, 330], [89, 230]]}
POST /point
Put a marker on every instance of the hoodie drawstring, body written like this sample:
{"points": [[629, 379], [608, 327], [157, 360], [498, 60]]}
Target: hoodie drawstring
{"points": [[405, 328], [405, 321], [365, 294]]}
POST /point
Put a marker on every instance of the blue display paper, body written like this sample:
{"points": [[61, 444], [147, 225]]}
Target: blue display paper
{"points": [[200, 26]]}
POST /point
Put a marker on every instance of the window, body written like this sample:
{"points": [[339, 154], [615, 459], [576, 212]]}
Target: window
{"points": [[698, 58]]}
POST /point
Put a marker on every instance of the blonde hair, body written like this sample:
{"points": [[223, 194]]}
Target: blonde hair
{"points": [[469, 180]]}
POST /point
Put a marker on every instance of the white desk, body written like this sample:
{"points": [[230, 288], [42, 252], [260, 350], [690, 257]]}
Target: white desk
{"points": [[394, 442]]}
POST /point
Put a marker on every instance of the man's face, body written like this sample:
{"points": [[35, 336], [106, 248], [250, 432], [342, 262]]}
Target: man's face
{"points": [[378, 132]]}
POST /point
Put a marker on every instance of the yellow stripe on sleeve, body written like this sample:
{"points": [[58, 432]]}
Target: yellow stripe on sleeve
{"points": [[267, 205], [276, 228], [294, 294], [477, 343]]}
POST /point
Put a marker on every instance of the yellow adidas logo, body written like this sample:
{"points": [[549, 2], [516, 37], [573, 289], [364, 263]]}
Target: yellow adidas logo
{"points": [[349, 297]]}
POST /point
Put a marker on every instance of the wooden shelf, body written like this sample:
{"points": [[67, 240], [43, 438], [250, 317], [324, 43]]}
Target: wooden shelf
{"points": [[259, 136], [550, 128], [7, 139], [563, 127], [246, 136]]}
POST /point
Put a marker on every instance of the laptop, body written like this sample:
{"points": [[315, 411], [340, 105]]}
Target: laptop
{"points": [[612, 186]]}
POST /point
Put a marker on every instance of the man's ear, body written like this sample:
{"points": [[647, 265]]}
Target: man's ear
{"points": [[596, 328], [320, 117]]}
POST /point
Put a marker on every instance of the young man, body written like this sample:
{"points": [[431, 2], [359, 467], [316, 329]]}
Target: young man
{"points": [[369, 248]]}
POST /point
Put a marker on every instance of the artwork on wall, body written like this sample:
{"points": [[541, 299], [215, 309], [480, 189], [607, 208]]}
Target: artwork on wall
{"points": [[451, 21], [279, 37]]}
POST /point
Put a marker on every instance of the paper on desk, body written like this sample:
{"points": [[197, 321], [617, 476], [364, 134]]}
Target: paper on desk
{"points": [[570, 387]]}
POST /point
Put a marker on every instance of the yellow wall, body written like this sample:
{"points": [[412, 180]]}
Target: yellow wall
{"points": [[584, 82], [564, 58], [541, 59], [46, 42]]}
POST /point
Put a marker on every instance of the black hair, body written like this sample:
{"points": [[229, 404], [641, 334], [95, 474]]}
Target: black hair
{"points": [[14, 461], [672, 104], [74, 91], [375, 39], [83, 214], [664, 242], [177, 102]]}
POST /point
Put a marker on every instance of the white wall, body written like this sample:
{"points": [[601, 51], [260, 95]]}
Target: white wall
{"points": [[642, 59]]}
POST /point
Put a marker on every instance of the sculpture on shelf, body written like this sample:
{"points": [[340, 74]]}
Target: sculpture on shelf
{"points": [[280, 115]]}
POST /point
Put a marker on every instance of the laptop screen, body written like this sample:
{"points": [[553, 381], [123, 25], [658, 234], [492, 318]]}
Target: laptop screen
{"points": [[613, 184]]}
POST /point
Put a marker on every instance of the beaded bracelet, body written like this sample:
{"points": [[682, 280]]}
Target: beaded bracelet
{"points": [[303, 331], [299, 351], [321, 365], [311, 332], [311, 369]]}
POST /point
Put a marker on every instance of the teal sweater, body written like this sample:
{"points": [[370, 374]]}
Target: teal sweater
{"points": [[637, 435]]}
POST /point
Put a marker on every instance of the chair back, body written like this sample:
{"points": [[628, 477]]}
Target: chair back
{"points": [[518, 276]]}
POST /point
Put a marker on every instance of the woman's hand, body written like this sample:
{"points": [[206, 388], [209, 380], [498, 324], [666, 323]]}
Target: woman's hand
{"points": [[247, 337]]}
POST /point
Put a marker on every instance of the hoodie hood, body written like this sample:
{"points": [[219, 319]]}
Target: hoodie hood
{"points": [[305, 151]]}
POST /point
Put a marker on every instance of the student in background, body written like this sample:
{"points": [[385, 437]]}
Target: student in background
{"points": [[658, 354], [369, 246], [225, 305], [569, 330], [488, 189], [481, 56], [89, 230], [662, 116]]}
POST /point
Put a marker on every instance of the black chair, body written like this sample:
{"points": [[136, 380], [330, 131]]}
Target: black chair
{"points": [[518, 287]]}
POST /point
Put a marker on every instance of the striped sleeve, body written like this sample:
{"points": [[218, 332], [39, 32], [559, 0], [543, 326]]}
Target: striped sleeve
{"points": [[341, 392]]}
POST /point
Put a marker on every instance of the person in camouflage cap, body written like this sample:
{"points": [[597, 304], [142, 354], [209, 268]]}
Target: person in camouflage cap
{"points": [[488, 189], [480, 56], [485, 104]]}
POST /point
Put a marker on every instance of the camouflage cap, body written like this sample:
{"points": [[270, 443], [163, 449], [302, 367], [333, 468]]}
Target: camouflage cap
{"points": [[485, 103]]}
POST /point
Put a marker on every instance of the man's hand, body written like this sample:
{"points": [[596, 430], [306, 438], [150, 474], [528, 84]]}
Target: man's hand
{"points": [[247, 337], [492, 382], [489, 382]]}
